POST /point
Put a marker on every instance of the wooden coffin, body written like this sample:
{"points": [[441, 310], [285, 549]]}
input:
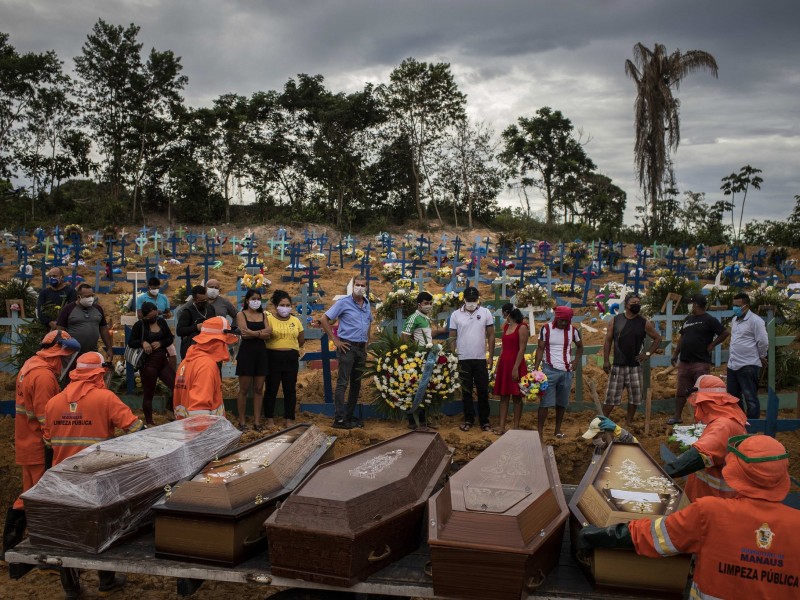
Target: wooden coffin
{"points": [[355, 515], [218, 516], [621, 485], [495, 529], [92, 499]]}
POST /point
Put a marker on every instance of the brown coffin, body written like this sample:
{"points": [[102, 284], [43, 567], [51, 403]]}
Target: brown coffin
{"points": [[105, 492], [621, 485], [496, 527], [217, 517], [355, 515]]}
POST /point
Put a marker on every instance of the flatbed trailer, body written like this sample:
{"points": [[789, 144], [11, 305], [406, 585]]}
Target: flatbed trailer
{"points": [[405, 578]]}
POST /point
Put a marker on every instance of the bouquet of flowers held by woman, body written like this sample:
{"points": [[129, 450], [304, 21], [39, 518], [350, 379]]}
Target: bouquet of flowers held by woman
{"points": [[398, 368], [533, 385]]}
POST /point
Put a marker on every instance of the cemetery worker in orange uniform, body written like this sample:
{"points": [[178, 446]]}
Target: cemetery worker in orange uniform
{"points": [[627, 333], [699, 335], [54, 297], [37, 382], [198, 385], [84, 414], [85, 320], [744, 547]]}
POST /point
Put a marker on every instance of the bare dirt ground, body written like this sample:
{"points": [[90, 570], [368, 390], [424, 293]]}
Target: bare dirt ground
{"points": [[572, 453]]}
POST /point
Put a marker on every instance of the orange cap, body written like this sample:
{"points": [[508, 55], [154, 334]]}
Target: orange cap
{"points": [[215, 328]]}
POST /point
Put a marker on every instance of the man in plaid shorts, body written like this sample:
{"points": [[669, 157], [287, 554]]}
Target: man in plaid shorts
{"points": [[627, 332]]}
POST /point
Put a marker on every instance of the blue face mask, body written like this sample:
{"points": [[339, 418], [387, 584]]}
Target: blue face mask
{"points": [[737, 311], [53, 281]]}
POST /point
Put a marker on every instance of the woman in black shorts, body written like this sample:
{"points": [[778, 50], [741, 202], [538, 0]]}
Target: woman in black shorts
{"points": [[251, 362]]}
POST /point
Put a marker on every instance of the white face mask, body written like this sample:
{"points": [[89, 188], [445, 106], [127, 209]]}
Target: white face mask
{"points": [[254, 304], [470, 306], [690, 307], [284, 311], [212, 293], [154, 292], [425, 308], [87, 302], [359, 290]]}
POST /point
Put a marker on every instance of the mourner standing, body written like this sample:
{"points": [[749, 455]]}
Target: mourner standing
{"points": [[154, 296], [554, 354], [251, 360], [55, 296], [85, 320], [472, 326], [699, 335], [192, 317], [221, 305], [744, 547], [84, 414], [511, 367], [355, 320], [748, 353], [198, 384], [627, 333], [283, 356], [37, 382]]}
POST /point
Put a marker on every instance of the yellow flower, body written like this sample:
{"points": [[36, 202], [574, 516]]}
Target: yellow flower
{"points": [[404, 347]]}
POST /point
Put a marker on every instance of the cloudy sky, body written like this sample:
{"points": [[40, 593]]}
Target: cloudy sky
{"points": [[510, 57]]}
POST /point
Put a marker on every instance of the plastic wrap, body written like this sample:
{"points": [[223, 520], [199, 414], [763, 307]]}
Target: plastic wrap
{"points": [[90, 500]]}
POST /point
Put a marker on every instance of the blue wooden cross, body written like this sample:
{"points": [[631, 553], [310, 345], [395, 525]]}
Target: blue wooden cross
{"points": [[388, 243], [295, 250], [457, 245], [173, 241], [439, 255], [123, 243], [423, 246], [367, 251], [282, 243], [187, 278], [99, 271], [522, 259], [190, 238], [321, 240]]}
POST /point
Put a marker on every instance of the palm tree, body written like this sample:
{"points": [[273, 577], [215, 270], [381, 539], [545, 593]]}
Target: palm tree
{"points": [[656, 112]]}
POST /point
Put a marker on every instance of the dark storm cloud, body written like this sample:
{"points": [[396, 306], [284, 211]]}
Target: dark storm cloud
{"points": [[510, 57]]}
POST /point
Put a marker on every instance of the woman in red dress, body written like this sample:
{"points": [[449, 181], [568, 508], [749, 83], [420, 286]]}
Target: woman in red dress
{"points": [[511, 367]]}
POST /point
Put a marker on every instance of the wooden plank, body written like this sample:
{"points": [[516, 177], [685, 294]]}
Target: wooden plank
{"points": [[648, 405], [595, 397]]}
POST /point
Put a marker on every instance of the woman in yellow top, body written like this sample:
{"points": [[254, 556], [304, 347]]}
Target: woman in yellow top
{"points": [[283, 349]]}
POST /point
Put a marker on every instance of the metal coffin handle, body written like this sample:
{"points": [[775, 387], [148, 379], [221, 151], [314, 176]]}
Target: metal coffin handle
{"points": [[386, 552], [535, 582], [252, 542]]}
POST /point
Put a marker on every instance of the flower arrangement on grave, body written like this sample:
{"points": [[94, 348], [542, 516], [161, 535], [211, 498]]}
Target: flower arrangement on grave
{"points": [[315, 256], [86, 254], [391, 272], [503, 264], [610, 256], [122, 302], [355, 253], [167, 262], [607, 300], [443, 274], [510, 282], [588, 272], [396, 367], [568, 263], [777, 256], [533, 294], [532, 385], [736, 275], [71, 230], [577, 250], [179, 297], [447, 301], [566, 289], [661, 272], [655, 296], [406, 284], [400, 298], [254, 282], [544, 246]]}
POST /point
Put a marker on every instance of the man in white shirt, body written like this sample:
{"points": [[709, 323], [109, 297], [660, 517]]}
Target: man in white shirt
{"points": [[555, 347], [748, 353], [471, 326]]}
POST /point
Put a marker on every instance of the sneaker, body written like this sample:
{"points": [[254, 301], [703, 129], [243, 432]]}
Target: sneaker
{"points": [[342, 424], [115, 586], [356, 422]]}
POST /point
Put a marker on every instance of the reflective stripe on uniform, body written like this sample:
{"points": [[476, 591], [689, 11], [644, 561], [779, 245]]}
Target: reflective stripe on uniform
{"points": [[76, 441], [661, 541], [135, 427], [715, 482], [22, 411], [180, 411], [696, 594]]}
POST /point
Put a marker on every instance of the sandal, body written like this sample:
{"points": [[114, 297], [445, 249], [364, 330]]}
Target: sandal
{"points": [[560, 436], [465, 426], [486, 427], [674, 421]]}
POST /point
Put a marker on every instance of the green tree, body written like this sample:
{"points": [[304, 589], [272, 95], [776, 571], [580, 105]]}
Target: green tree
{"points": [[656, 113], [740, 183], [423, 100], [542, 152]]}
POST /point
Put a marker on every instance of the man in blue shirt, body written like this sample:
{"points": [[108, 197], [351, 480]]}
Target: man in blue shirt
{"points": [[155, 296], [355, 319]]}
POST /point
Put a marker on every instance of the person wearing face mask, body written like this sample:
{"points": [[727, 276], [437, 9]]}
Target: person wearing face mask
{"points": [[251, 361], [699, 335], [57, 294], [191, 318], [627, 332], [283, 353], [554, 353], [748, 353], [355, 320], [472, 326], [153, 334], [198, 383], [221, 305], [419, 329], [154, 296], [85, 320]]}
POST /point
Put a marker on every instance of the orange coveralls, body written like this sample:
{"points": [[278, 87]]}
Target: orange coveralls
{"points": [[198, 383], [744, 547], [36, 384], [84, 414]]}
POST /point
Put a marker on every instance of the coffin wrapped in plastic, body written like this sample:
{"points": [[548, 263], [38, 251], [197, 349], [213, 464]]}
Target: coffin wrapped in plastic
{"points": [[495, 529], [218, 516], [353, 516], [88, 501], [621, 485]]}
